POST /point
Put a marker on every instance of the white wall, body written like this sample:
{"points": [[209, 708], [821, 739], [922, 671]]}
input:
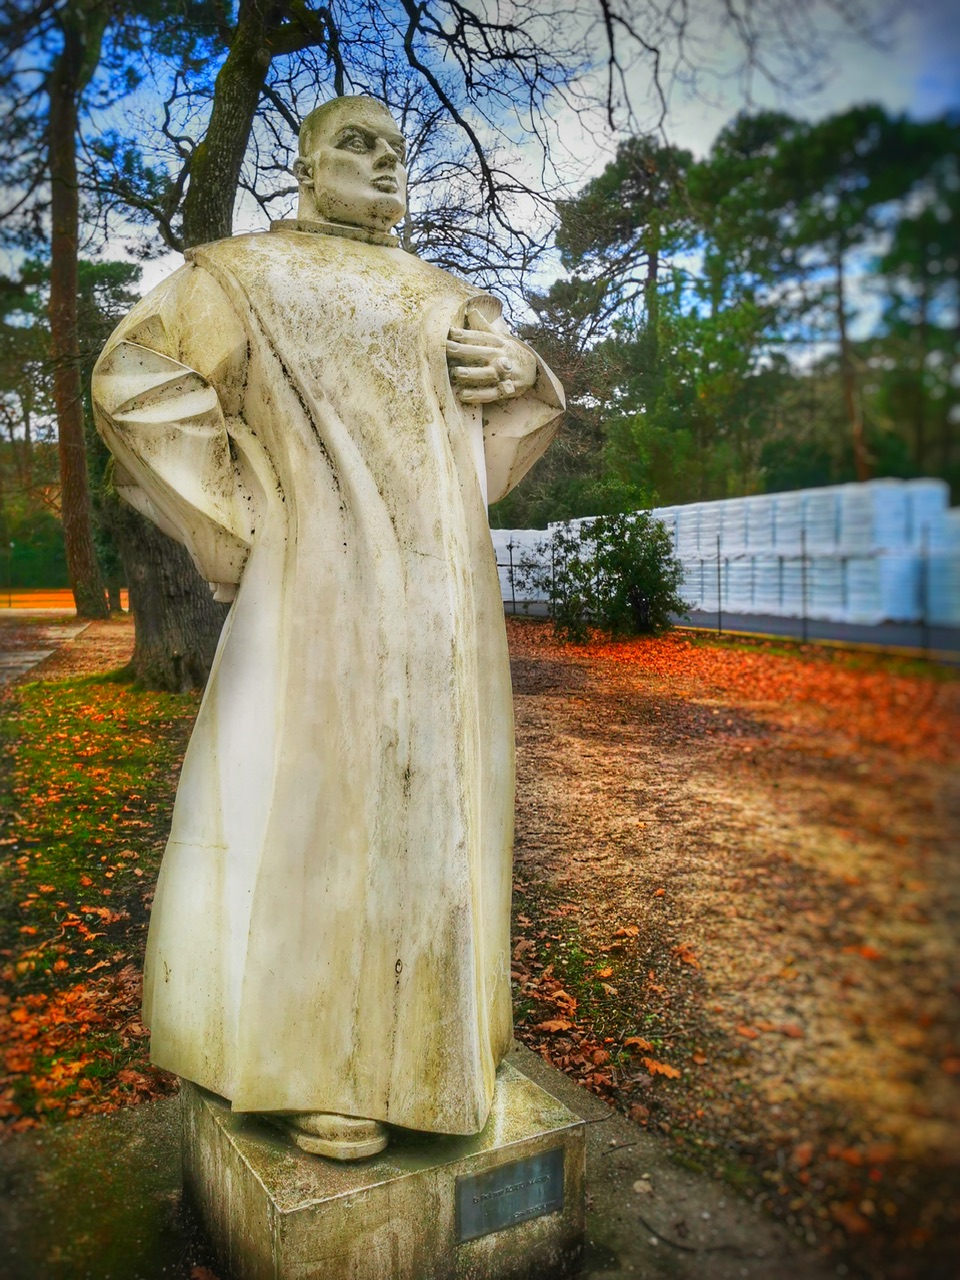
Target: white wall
{"points": [[887, 550]]}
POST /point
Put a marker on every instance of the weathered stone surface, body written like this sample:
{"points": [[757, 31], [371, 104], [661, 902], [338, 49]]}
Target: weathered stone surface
{"points": [[275, 1213], [320, 418]]}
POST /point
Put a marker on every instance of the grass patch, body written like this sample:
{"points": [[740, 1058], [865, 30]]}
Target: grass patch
{"points": [[893, 664], [90, 770]]}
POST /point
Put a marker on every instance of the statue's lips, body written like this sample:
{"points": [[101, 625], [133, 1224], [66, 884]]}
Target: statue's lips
{"points": [[386, 185]]}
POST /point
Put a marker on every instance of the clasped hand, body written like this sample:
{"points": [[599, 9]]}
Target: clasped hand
{"points": [[486, 365]]}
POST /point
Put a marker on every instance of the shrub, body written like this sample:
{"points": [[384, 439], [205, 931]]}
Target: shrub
{"points": [[617, 573]]}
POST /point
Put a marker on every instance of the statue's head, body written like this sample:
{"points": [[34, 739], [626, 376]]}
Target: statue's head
{"points": [[350, 165]]}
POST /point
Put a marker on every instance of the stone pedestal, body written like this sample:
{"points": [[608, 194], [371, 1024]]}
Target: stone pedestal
{"points": [[507, 1204]]}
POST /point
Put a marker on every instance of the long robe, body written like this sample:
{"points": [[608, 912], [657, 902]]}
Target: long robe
{"points": [[330, 930]]}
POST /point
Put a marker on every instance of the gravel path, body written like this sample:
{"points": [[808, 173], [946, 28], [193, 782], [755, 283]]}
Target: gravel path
{"points": [[773, 901]]}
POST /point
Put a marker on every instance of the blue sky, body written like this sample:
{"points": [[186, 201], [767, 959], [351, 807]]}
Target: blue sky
{"points": [[916, 70]]}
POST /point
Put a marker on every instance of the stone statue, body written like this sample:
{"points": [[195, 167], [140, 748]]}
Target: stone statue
{"points": [[321, 418]]}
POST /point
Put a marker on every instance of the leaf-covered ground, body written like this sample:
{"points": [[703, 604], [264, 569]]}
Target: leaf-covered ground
{"points": [[736, 911], [90, 770], [736, 916]]}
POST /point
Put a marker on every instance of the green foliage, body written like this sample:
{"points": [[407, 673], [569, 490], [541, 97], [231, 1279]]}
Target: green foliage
{"points": [[617, 573], [31, 546], [29, 487], [714, 319]]}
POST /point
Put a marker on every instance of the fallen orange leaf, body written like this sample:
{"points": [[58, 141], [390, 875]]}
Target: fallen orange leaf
{"points": [[802, 1155], [661, 1069]]}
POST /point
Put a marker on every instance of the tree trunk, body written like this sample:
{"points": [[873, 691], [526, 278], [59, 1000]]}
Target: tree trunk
{"points": [[923, 340], [861, 459], [216, 163], [70, 73], [178, 623]]}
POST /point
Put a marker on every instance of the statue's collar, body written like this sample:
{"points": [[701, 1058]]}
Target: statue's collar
{"points": [[320, 227]]}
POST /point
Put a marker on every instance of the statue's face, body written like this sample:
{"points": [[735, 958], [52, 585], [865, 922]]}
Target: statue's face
{"points": [[355, 171]]}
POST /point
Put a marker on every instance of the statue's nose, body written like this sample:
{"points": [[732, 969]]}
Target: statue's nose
{"points": [[385, 154]]}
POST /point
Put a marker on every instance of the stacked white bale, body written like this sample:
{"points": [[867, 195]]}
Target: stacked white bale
{"points": [[942, 588], [788, 521], [891, 514], [863, 590], [927, 502], [766, 583], [691, 590], [521, 549], [794, 583], [821, 518], [856, 520], [738, 584], [826, 589], [899, 586], [711, 583], [688, 532], [733, 525], [760, 511], [668, 518], [873, 517], [875, 520], [709, 528], [500, 538], [688, 553], [865, 547]]}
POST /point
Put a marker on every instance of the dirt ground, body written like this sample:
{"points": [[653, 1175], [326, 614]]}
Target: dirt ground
{"points": [[736, 917]]}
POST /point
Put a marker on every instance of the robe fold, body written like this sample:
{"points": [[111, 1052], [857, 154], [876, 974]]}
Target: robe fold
{"points": [[330, 930]]}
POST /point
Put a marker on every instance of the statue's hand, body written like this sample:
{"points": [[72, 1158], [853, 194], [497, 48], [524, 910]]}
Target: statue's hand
{"points": [[486, 365]]}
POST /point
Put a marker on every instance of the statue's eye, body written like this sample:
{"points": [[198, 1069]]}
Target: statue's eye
{"points": [[354, 143]]}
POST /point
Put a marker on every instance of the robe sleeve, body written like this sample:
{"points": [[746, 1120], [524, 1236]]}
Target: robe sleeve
{"points": [[163, 392], [517, 431]]}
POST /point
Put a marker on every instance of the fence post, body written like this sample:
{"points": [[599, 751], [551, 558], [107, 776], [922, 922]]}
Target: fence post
{"points": [[719, 591], [803, 582], [924, 586], [553, 574], [513, 586]]}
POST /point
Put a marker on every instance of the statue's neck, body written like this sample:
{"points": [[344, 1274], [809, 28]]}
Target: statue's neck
{"points": [[319, 226]]}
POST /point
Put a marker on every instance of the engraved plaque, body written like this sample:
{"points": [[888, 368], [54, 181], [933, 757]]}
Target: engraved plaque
{"points": [[509, 1194]]}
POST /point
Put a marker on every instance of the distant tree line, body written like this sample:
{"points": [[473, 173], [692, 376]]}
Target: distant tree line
{"points": [[148, 119], [782, 313]]}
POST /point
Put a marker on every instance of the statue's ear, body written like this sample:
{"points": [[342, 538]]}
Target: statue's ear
{"points": [[303, 171]]}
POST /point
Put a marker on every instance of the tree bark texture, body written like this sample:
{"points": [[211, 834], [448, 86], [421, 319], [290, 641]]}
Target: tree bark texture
{"points": [[923, 340], [71, 71], [216, 163], [178, 623], [861, 458]]}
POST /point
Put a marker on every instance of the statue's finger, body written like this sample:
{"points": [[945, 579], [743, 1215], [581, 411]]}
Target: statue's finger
{"points": [[465, 351], [477, 337], [481, 376], [482, 395]]}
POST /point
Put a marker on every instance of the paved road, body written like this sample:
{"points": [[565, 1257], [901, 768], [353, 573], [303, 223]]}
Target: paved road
{"points": [[942, 643], [23, 644]]}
